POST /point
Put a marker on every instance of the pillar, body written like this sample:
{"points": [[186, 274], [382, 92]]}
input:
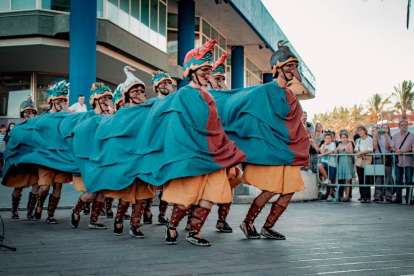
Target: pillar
{"points": [[267, 77], [82, 48], [237, 67], [186, 32]]}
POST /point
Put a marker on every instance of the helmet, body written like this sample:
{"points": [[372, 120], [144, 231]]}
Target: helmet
{"points": [[57, 90], [199, 57], [27, 105], [98, 91], [158, 77], [282, 56], [219, 67]]}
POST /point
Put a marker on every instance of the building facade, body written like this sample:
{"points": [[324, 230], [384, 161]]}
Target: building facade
{"points": [[35, 38]]}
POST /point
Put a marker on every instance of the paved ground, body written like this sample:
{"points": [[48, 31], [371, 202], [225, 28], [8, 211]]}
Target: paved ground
{"points": [[322, 238]]}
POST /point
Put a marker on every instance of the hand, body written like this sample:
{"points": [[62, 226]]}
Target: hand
{"points": [[320, 155], [399, 152], [358, 154], [386, 136]]}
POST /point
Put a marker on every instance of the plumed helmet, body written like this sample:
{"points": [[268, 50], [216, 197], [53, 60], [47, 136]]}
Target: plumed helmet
{"points": [[57, 89], [27, 105], [219, 67], [158, 77], [130, 82], [282, 56], [98, 91], [199, 57]]}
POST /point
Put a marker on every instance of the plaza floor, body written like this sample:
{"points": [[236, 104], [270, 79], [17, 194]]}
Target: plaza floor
{"points": [[322, 239]]}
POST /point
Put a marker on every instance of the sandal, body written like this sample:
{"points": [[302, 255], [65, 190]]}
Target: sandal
{"points": [[136, 233], [118, 230], [170, 240], [248, 232], [270, 233], [162, 219], [225, 228], [193, 239], [73, 221], [147, 219]]}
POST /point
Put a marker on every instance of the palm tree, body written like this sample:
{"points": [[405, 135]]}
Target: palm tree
{"points": [[376, 107], [404, 97]]}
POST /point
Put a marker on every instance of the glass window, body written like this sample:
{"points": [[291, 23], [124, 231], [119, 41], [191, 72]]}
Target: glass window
{"points": [[154, 15], [57, 5], [4, 5], [162, 18], [99, 8], [23, 4], [145, 12], [14, 89], [206, 28], [222, 42], [214, 34], [172, 47], [112, 10], [123, 18], [173, 20], [135, 9], [197, 24]]}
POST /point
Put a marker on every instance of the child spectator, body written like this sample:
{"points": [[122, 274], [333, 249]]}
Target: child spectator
{"points": [[328, 163]]}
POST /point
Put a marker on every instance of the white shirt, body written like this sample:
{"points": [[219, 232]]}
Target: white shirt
{"points": [[77, 107], [330, 160], [364, 145]]}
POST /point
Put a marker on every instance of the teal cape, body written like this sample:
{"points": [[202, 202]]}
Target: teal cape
{"points": [[178, 136], [265, 122]]}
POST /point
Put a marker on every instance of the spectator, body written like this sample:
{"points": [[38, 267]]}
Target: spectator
{"points": [[363, 145], [382, 144], [346, 170], [308, 125], [315, 145], [328, 163], [2, 136], [402, 142], [334, 138], [80, 106], [9, 127]]}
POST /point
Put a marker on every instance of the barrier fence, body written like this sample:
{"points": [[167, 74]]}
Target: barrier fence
{"points": [[376, 168]]}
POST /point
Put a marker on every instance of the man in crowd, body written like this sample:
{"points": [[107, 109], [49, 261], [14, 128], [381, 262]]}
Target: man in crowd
{"points": [[80, 106], [402, 142], [2, 135]]}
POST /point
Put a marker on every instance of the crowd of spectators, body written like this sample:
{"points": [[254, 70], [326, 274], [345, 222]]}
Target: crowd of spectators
{"points": [[342, 160]]}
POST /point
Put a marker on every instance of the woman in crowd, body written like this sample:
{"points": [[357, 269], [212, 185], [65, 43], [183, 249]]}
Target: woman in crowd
{"points": [[9, 127], [346, 169], [363, 146]]}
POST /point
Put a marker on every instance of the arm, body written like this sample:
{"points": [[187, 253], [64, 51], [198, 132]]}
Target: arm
{"points": [[351, 148]]}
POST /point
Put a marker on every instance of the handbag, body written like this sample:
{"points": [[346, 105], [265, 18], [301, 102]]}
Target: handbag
{"points": [[362, 161]]}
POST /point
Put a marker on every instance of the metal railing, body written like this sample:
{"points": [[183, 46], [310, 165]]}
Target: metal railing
{"points": [[372, 170]]}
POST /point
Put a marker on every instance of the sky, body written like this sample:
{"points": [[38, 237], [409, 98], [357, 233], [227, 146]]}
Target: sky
{"points": [[354, 48]]}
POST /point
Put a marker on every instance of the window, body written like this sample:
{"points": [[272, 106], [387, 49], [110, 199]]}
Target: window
{"points": [[123, 17], [134, 20], [99, 8], [254, 75], [145, 12], [162, 19], [172, 47], [112, 10], [14, 89], [57, 5], [154, 15], [23, 4]]}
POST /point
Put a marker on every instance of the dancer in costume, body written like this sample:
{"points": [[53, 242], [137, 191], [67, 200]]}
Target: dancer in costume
{"points": [[24, 176], [201, 190], [101, 100], [283, 179], [57, 96], [235, 173], [133, 94], [162, 85]]}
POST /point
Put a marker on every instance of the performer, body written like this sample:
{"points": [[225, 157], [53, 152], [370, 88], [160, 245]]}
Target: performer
{"points": [[202, 190], [216, 81], [284, 179], [162, 85], [100, 100], [57, 96], [133, 94], [24, 176]]}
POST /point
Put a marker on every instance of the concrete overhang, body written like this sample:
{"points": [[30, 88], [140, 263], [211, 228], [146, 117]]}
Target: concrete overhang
{"points": [[48, 55]]}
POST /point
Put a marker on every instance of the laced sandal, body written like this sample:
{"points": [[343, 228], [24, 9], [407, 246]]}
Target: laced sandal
{"points": [[40, 202], [199, 241], [224, 227], [136, 233], [52, 220], [15, 207], [162, 219], [14, 215], [270, 233], [74, 223], [170, 240], [147, 219], [127, 216], [248, 232], [97, 226], [31, 204], [118, 231]]}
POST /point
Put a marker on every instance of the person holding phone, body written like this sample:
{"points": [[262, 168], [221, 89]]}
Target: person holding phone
{"points": [[382, 143]]}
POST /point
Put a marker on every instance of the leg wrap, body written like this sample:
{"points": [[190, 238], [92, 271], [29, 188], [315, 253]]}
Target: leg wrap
{"points": [[137, 212], [275, 212], [41, 200], [148, 204], [108, 203], [79, 206], [53, 203], [122, 210], [15, 203], [31, 204], [199, 217], [163, 206], [96, 211], [223, 211], [176, 216], [253, 212]]}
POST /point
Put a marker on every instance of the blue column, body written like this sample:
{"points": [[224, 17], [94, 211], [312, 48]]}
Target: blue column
{"points": [[237, 67], [267, 77], [186, 31], [82, 52]]}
